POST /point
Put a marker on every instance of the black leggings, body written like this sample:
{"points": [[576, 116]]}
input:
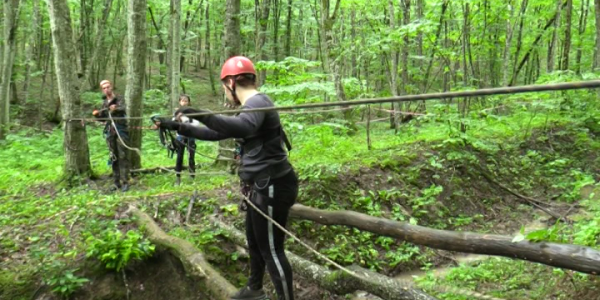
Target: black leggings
{"points": [[118, 156], [265, 240], [188, 145]]}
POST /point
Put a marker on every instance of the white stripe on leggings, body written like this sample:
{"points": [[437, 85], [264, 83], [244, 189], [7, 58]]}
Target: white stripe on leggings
{"points": [[275, 258]]}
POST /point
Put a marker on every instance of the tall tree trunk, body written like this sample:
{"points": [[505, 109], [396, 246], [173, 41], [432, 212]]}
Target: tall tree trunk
{"points": [[420, 8], [334, 64], [77, 156], [175, 51], [508, 42], [209, 58], [231, 38], [355, 69], [11, 20], [405, 48], [189, 20], [441, 23], [98, 44], [161, 42], [567, 43], [554, 40], [585, 5], [519, 39], [466, 40], [231, 47], [276, 17], [596, 62], [262, 20], [528, 54], [394, 69], [136, 65], [288, 31], [31, 48]]}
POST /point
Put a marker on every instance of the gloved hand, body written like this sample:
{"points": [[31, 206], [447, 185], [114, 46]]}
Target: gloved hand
{"points": [[167, 124]]}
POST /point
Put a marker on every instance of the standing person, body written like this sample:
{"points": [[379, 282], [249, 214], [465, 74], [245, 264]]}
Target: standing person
{"points": [[112, 106], [185, 143], [268, 176]]}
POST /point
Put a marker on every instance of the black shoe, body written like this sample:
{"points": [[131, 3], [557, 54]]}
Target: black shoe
{"points": [[125, 188], [248, 294]]}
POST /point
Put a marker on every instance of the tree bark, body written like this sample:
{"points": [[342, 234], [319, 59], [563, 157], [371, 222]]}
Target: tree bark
{"points": [[209, 58], [554, 40], [426, 82], [161, 42], [136, 65], [175, 52], [573, 257], [11, 20], [508, 41], [404, 63], [231, 47], [528, 54], [585, 5], [98, 44], [31, 48], [567, 40], [189, 20], [231, 38], [263, 7], [276, 17], [596, 62], [394, 70], [288, 31], [193, 260], [77, 155], [338, 282]]}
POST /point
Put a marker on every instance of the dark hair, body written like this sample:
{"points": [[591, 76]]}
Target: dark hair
{"points": [[243, 80], [185, 96]]}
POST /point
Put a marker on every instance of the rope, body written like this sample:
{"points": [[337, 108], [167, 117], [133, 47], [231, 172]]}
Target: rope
{"points": [[352, 273], [406, 98], [317, 253], [317, 111], [112, 122], [400, 112]]}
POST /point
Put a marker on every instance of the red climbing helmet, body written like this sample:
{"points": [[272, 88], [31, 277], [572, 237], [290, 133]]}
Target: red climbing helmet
{"points": [[237, 65]]}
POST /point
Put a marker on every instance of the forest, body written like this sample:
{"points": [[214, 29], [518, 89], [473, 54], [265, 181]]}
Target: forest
{"points": [[443, 149]]}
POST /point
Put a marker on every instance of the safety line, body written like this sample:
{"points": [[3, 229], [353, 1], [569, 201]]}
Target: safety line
{"points": [[431, 96]]}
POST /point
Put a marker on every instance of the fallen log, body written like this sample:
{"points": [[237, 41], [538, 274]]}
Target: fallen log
{"points": [[573, 257], [339, 282], [215, 285]]}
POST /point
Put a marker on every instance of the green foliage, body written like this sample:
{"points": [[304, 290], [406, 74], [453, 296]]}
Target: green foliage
{"points": [[116, 250], [66, 282], [587, 233], [421, 205]]}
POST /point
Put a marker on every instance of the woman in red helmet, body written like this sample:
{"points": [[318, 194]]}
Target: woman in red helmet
{"points": [[264, 167]]}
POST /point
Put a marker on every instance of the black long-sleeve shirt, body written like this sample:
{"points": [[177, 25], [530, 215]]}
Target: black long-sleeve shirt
{"points": [[118, 113], [263, 152]]}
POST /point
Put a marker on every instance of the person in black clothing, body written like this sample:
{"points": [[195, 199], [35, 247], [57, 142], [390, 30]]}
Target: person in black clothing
{"points": [[185, 143], [270, 180], [112, 107]]}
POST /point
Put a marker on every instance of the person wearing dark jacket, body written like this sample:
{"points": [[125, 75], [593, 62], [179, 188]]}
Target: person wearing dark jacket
{"points": [[185, 144], [264, 168], [112, 106]]}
